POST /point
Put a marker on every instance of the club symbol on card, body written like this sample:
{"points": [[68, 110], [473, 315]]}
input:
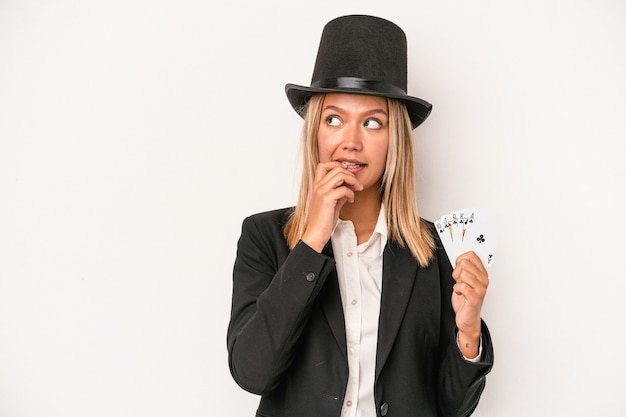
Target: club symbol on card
{"points": [[480, 238], [448, 225]]}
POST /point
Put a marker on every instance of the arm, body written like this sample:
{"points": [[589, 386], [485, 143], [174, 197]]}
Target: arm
{"points": [[468, 295], [273, 292], [461, 382], [274, 288]]}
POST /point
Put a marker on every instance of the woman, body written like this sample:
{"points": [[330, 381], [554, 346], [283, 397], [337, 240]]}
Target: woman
{"points": [[347, 305]]}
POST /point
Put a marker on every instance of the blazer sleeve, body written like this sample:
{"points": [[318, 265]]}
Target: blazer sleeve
{"points": [[273, 293], [461, 382]]}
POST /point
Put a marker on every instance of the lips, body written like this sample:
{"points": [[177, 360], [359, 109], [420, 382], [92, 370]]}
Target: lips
{"points": [[351, 165]]}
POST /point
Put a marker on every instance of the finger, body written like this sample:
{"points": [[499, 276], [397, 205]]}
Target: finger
{"points": [[327, 198], [469, 270], [324, 167], [470, 261], [338, 177], [473, 291], [337, 194], [471, 277], [473, 258], [471, 284]]}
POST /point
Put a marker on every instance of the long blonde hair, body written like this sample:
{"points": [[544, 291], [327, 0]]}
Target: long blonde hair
{"points": [[398, 195]]}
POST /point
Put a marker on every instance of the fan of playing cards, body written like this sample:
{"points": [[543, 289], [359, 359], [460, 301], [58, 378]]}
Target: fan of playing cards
{"points": [[469, 230]]}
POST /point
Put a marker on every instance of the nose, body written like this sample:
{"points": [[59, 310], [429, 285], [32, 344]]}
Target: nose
{"points": [[351, 138]]}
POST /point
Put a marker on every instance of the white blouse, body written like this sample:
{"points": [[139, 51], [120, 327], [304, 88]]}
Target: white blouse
{"points": [[360, 271]]}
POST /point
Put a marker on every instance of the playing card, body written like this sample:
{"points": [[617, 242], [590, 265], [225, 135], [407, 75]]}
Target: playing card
{"points": [[466, 219], [444, 231], [469, 230], [482, 236], [452, 235]]}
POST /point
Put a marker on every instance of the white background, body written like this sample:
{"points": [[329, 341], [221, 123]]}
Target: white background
{"points": [[136, 135]]}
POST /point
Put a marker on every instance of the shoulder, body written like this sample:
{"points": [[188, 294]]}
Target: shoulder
{"points": [[432, 230], [262, 237], [270, 218], [267, 223]]}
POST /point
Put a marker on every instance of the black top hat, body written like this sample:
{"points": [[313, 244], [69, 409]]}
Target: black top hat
{"points": [[361, 55]]}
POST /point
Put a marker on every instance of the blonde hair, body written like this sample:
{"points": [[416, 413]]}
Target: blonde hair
{"points": [[398, 195]]}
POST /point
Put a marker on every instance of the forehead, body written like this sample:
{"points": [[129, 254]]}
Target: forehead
{"points": [[355, 102]]}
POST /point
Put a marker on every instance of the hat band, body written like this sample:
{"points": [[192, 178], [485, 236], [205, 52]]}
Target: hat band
{"points": [[355, 83]]}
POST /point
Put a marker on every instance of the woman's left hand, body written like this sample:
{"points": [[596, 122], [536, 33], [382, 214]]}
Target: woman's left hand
{"points": [[468, 295]]}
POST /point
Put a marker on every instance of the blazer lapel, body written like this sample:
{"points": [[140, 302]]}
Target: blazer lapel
{"points": [[332, 307], [399, 274]]}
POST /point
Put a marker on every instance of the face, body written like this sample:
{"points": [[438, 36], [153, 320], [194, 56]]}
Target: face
{"points": [[354, 130]]}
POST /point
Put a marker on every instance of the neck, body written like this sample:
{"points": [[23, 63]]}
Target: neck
{"points": [[363, 213]]}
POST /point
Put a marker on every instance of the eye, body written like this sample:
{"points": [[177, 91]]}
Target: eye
{"points": [[373, 124], [333, 121]]}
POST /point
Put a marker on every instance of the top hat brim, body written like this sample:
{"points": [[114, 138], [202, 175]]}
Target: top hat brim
{"points": [[299, 95]]}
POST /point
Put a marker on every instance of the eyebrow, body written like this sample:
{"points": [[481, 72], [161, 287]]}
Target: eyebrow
{"points": [[365, 113]]}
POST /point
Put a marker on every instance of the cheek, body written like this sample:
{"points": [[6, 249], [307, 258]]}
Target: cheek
{"points": [[382, 156], [325, 148], [382, 164]]}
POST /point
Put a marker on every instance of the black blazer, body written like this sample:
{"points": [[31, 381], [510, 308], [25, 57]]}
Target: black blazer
{"points": [[286, 336]]}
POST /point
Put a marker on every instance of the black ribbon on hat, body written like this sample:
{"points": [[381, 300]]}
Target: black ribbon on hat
{"points": [[360, 84]]}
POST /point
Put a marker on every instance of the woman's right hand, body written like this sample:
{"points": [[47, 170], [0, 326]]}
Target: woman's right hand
{"points": [[333, 187]]}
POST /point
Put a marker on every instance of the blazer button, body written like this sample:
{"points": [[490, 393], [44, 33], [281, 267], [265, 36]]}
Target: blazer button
{"points": [[310, 276], [384, 409]]}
